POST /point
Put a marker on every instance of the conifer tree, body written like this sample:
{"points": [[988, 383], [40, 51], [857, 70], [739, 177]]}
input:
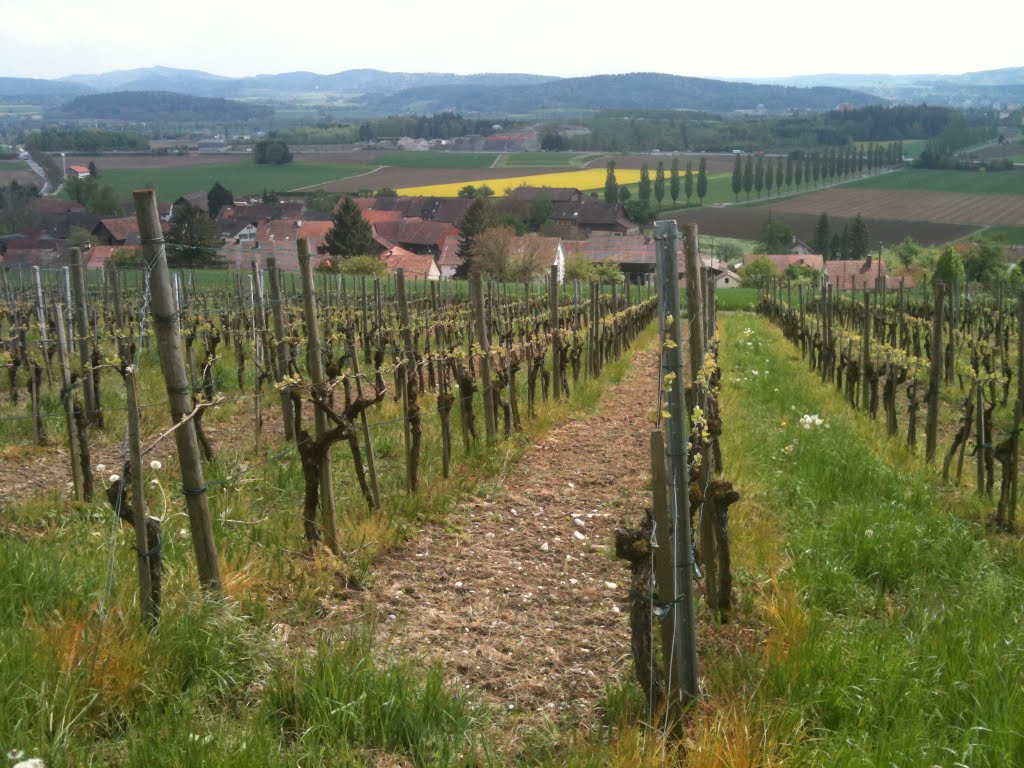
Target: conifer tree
{"points": [[611, 184], [702, 180], [659, 183], [688, 181], [351, 234], [644, 188], [673, 183]]}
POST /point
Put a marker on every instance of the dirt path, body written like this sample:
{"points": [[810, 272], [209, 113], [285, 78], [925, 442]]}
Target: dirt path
{"points": [[525, 604]]}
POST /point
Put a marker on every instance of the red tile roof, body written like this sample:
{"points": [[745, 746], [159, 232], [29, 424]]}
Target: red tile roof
{"points": [[412, 232], [414, 264], [121, 228], [783, 260], [844, 273]]}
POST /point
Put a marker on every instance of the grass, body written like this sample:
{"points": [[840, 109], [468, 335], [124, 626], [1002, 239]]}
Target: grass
{"points": [[1013, 235], [892, 617], [243, 179], [736, 299], [972, 182], [547, 159], [13, 165], [217, 684], [436, 159]]}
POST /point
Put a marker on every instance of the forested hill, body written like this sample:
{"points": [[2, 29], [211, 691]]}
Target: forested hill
{"points": [[161, 106], [642, 90]]}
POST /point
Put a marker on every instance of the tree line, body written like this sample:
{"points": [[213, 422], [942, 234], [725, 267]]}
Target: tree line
{"points": [[81, 140]]}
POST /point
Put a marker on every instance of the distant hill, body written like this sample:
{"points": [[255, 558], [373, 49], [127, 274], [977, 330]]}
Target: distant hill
{"points": [[995, 86], [28, 86], [350, 82], [640, 91], [160, 106]]}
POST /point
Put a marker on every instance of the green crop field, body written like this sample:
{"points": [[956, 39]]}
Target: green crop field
{"points": [[436, 159], [546, 159], [1013, 235], [242, 179], [13, 165], [972, 182]]}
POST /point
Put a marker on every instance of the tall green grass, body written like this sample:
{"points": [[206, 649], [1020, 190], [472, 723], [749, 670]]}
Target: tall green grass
{"points": [[905, 645]]}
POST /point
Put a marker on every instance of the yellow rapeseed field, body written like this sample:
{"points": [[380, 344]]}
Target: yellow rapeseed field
{"points": [[592, 178]]}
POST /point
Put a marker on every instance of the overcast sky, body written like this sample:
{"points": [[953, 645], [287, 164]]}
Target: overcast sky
{"points": [[52, 38]]}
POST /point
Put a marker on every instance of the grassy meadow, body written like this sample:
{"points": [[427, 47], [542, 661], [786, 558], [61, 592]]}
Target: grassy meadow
{"points": [[436, 159], [242, 178], [892, 617], [971, 182]]}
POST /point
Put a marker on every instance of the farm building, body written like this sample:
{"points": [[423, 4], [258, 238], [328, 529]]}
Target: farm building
{"points": [[414, 265], [449, 210], [860, 275], [78, 172], [416, 235], [783, 260]]}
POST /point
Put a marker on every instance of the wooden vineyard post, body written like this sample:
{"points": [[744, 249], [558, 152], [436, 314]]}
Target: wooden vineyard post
{"points": [[695, 318], [371, 458], [147, 596], [317, 376], [1018, 416], [41, 317], [81, 330], [865, 358], [938, 353], [981, 447], [77, 478], [179, 395], [283, 354], [476, 298], [682, 678], [556, 342], [410, 387], [260, 352], [662, 549]]}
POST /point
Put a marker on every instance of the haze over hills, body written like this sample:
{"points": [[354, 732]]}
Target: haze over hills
{"points": [[377, 91], [971, 88], [641, 91]]}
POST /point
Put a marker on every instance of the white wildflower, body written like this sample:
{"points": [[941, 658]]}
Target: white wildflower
{"points": [[15, 754], [155, 465], [114, 478], [101, 467], [869, 533]]}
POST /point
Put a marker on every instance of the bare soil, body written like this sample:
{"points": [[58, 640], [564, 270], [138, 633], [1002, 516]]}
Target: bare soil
{"points": [[747, 223], [524, 604], [911, 205]]}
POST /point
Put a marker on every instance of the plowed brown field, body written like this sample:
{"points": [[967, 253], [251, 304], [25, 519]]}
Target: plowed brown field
{"points": [[912, 205]]}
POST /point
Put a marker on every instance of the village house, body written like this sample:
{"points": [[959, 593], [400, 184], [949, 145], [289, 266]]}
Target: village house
{"points": [[414, 265], [781, 261], [78, 172]]}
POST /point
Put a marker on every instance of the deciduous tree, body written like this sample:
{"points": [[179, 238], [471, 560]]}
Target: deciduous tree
{"points": [[659, 183], [688, 181]]}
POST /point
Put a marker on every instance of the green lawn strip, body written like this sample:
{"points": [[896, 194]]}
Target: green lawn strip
{"points": [[968, 182], [243, 179], [913, 649]]}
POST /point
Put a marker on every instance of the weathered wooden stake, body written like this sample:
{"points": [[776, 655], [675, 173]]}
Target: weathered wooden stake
{"points": [[317, 380], [179, 395]]}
